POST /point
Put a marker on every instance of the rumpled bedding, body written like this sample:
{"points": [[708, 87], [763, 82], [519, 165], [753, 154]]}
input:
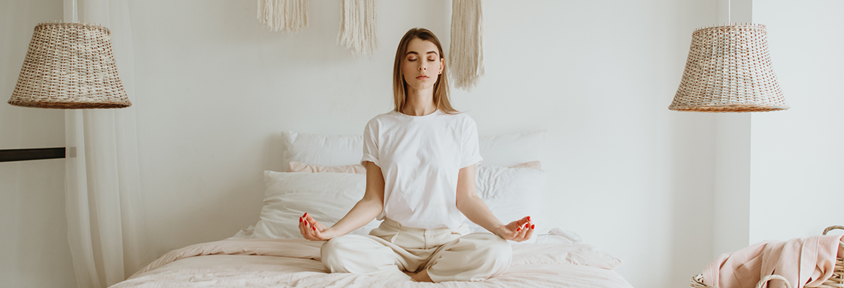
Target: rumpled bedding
{"points": [[296, 263]]}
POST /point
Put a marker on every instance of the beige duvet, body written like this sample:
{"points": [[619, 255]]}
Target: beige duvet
{"points": [[295, 263]]}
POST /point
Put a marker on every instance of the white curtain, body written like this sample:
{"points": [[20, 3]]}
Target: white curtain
{"points": [[104, 204]]}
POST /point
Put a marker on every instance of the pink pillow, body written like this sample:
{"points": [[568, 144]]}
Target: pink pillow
{"points": [[532, 165], [359, 169]]}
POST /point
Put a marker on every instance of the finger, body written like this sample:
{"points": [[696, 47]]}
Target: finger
{"points": [[317, 233], [520, 237], [301, 226], [524, 220], [530, 231], [516, 225], [304, 231], [311, 230], [313, 223], [515, 233], [302, 223], [307, 228]]}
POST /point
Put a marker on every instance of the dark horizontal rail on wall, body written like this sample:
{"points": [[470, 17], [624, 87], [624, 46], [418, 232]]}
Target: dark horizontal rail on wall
{"points": [[7, 155]]}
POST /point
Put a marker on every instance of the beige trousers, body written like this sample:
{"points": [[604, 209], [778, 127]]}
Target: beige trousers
{"points": [[449, 255]]}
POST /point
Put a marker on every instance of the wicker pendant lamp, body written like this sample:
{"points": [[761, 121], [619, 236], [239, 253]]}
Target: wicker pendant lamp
{"points": [[729, 70], [69, 66]]}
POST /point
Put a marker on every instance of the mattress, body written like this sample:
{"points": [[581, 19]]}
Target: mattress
{"points": [[296, 263]]}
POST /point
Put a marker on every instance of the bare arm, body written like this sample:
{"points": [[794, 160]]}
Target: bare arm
{"points": [[471, 205], [364, 211]]}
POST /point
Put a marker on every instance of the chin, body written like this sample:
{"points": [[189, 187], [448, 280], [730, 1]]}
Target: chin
{"points": [[417, 84]]}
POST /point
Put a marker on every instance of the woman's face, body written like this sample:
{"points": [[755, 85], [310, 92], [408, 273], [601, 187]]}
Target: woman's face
{"points": [[422, 64]]}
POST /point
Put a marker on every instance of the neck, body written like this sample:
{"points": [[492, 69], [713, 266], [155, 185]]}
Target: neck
{"points": [[419, 102]]}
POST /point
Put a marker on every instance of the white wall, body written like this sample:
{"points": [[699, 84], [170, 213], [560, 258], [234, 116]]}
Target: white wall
{"points": [[215, 88], [731, 196], [797, 163], [33, 230]]}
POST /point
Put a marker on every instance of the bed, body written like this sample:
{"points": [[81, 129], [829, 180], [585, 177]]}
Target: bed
{"points": [[270, 253]]}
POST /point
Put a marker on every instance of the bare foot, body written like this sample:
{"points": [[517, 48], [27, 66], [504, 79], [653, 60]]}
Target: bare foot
{"points": [[422, 276]]}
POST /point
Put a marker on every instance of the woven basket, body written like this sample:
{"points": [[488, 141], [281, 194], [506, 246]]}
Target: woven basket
{"points": [[835, 281], [729, 70], [68, 66]]}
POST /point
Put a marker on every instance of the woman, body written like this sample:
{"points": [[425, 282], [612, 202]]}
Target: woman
{"points": [[420, 179]]}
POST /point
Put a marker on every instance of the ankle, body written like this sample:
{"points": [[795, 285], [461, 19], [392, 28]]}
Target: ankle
{"points": [[422, 276]]}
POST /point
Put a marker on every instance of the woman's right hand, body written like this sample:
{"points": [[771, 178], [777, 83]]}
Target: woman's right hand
{"points": [[313, 230]]}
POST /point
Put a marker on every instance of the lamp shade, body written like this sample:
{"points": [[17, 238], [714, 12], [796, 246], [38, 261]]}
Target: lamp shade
{"points": [[729, 70], [69, 66]]}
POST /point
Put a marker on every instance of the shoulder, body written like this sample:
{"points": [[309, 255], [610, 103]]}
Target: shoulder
{"points": [[462, 119], [382, 119]]}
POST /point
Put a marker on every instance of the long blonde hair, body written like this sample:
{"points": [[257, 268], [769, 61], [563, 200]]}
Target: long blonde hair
{"points": [[441, 90]]}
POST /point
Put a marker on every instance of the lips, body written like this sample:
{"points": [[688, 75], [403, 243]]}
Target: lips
{"points": [[422, 77]]}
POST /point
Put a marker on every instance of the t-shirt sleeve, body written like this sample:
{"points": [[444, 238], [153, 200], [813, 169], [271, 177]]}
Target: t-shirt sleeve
{"points": [[370, 145], [471, 151]]}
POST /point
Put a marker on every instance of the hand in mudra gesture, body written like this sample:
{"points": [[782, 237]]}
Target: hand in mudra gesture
{"points": [[313, 230], [519, 230]]}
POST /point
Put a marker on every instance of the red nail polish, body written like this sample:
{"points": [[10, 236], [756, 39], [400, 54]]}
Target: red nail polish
{"points": [[528, 218], [519, 229], [532, 226], [314, 228], [306, 214], [300, 219]]}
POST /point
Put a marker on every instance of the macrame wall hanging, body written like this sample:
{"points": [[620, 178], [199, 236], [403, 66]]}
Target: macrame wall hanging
{"points": [[466, 57], [357, 27], [283, 15]]}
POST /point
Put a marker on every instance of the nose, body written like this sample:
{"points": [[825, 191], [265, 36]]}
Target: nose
{"points": [[423, 68]]}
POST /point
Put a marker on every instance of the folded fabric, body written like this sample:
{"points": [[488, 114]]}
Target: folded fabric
{"points": [[805, 262]]}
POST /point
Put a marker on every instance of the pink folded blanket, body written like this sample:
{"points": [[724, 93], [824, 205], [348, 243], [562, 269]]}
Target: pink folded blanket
{"points": [[803, 261]]}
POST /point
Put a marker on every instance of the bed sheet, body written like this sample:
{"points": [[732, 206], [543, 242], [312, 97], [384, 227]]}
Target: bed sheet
{"points": [[295, 263]]}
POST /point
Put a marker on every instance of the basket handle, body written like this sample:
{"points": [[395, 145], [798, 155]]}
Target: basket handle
{"points": [[830, 228], [772, 277]]}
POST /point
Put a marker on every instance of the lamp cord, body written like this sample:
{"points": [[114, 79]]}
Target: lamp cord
{"points": [[729, 6]]}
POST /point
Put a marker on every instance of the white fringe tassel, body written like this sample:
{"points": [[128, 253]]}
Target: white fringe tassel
{"points": [[357, 27], [466, 57], [283, 15]]}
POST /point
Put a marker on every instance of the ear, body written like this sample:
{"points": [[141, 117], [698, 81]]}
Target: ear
{"points": [[442, 65]]}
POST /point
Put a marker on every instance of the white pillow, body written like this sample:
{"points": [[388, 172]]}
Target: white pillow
{"points": [[511, 149], [339, 150], [512, 194], [323, 150], [325, 196]]}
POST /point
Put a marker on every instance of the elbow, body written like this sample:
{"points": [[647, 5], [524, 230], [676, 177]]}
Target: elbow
{"points": [[466, 200], [373, 202], [463, 201]]}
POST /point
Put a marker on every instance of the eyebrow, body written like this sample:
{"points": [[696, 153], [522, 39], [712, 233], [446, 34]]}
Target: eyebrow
{"points": [[429, 52]]}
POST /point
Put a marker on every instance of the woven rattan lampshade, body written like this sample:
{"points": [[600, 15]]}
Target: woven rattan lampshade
{"points": [[69, 66], [729, 70]]}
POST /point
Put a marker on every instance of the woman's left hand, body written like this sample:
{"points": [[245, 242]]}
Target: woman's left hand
{"points": [[519, 230]]}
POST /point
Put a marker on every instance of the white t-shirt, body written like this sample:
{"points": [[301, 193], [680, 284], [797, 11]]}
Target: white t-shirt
{"points": [[420, 158]]}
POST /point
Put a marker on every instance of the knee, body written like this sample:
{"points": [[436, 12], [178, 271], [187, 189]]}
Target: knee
{"points": [[500, 247], [331, 253], [495, 245]]}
